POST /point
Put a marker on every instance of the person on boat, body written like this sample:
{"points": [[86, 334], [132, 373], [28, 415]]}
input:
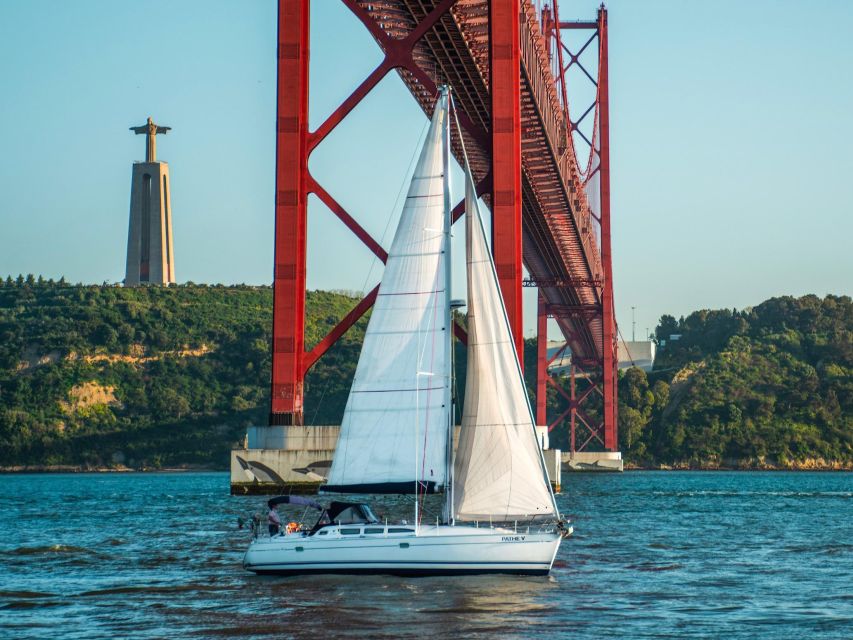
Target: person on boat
{"points": [[274, 520]]}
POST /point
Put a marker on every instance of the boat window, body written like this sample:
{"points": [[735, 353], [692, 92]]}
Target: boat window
{"points": [[399, 530], [374, 530], [350, 532], [323, 533]]}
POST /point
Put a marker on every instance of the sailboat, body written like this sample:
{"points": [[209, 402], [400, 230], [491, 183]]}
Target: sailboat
{"points": [[499, 513]]}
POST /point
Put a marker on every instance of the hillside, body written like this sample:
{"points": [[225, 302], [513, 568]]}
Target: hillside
{"points": [[94, 376], [104, 375], [770, 386]]}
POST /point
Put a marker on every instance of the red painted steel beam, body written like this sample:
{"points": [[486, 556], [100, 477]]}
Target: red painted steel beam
{"points": [[290, 213], [505, 78], [558, 353], [559, 419], [593, 434], [555, 27], [398, 53], [359, 231], [587, 393], [574, 410], [559, 389], [579, 24], [548, 26], [609, 365], [340, 329], [460, 333]]}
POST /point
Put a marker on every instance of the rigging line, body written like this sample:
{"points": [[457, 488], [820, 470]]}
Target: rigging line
{"points": [[429, 394], [461, 137], [627, 350], [409, 170], [319, 404], [419, 485]]}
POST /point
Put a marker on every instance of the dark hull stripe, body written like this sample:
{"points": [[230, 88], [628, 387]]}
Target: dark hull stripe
{"points": [[379, 487], [402, 571], [401, 568]]}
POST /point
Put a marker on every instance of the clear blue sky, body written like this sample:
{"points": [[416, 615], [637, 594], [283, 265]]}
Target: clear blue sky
{"points": [[731, 135]]}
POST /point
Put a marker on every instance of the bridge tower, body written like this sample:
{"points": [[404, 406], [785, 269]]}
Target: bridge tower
{"points": [[497, 58], [597, 376]]}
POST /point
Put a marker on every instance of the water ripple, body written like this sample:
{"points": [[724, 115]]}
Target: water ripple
{"points": [[655, 555]]}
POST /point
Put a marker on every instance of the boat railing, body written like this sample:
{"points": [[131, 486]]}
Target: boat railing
{"points": [[524, 526]]}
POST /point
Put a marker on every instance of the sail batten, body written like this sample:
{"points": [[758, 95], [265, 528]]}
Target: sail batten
{"points": [[394, 431]]}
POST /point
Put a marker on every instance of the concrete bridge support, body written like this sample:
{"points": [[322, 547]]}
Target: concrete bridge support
{"points": [[296, 459]]}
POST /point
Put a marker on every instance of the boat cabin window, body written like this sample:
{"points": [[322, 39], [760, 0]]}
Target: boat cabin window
{"points": [[323, 533], [374, 530], [399, 530], [350, 532]]}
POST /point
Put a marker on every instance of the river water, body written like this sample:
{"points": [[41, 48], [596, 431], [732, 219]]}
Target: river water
{"points": [[654, 555]]}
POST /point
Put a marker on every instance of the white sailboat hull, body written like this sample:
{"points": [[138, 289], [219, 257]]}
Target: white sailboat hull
{"points": [[396, 428], [433, 550]]}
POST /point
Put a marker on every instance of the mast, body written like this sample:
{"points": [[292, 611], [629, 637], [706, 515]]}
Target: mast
{"points": [[448, 318]]}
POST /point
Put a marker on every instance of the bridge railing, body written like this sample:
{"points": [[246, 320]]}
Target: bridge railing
{"points": [[538, 64]]}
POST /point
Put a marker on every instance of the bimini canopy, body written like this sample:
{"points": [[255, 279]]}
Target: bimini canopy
{"points": [[350, 513], [298, 500]]}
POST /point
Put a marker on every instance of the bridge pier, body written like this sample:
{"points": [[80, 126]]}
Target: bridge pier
{"points": [[297, 459], [591, 461], [283, 459]]}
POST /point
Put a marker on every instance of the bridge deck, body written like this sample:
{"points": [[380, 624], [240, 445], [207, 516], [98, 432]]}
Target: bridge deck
{"points": [[559, 244]]}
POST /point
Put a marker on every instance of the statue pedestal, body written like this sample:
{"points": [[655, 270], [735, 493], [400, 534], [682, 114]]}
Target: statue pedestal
{"points": [[150, 252]]}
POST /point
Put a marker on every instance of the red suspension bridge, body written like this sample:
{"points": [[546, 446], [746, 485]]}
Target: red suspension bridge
{"points": [[507, 62]]}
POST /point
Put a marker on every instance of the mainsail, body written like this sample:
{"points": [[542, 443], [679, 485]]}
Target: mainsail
{"points": [[396, 422], [498, 473]]}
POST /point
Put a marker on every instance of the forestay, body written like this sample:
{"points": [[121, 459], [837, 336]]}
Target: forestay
{"points": [[499, 473], [396, 421]]}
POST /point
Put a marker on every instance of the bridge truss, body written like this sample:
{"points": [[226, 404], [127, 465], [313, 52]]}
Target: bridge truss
{"points": [[507, 64]]}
